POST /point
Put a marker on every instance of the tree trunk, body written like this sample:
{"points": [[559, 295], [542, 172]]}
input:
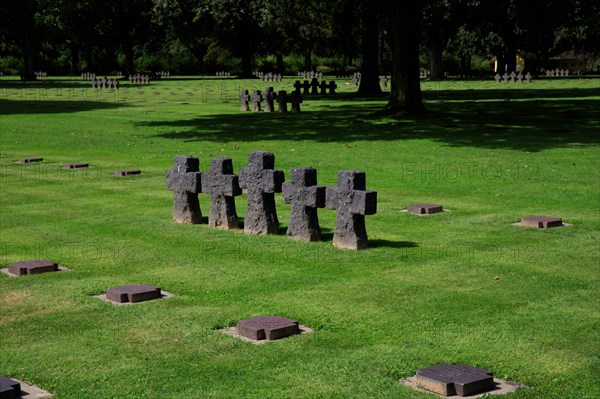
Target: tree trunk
{"points": [[511, 56], [246, 65], [74, 58], [28, 40], [129, 61], [369, 79], [404, 47], [436, 50], [308, 60], [280, 64]]}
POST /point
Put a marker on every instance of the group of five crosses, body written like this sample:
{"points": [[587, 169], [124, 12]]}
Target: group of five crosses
{"points": [[260, 179], [269, 97]]}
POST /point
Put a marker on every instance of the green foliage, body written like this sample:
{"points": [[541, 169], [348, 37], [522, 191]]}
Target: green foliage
{"points": [[11, 65]]}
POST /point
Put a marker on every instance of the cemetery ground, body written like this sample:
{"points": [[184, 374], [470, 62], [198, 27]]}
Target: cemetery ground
{"points": [[463, 286]]}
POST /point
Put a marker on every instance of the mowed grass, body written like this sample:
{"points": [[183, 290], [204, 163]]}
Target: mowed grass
{"points": [[464, 286]]}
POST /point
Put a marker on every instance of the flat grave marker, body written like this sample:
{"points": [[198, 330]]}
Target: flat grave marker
{"points": [[262, 329], [11, 388], [541, 222], [424, 209], [32, 267], [30, 160], [133, 293], [127, 172], [75, 165]]}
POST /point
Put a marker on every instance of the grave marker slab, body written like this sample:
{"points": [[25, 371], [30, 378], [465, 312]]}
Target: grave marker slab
{"points": [[185, 180], [267, 327], [127, 172], [32, 267], [352, 202], [9, 388], [133, 293], [269, 98], [244, 98], [282, 100], [222, 186], [314, 86], [29, 160], [305, 87], [75, 165], [305, 196], [323, 87], [256, 98], [332, 86], [541, 222], [296, 100], [424, 209], [262, 182], [455, 379]]}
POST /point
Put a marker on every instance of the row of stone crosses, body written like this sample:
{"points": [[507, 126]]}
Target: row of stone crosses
{"points": [[139, 79], [513, 77], [313, 87], [310, 75], [356, 78], [557, 72], [223, 74], [40, 74], [259, 178], [163, 74], [424, 74], [269, 97], [88, 76], [105, 83], [269, 77]]}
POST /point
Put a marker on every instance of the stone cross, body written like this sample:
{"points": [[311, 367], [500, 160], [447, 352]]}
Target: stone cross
{"points": [[323, 87], [244, 98], [296, 100], [505, 77], [333, 86], [497, 77], [256, 98], [262, 182], [222, 186], [305, 196], [185, 180], [352, 202], [383, 81], [528, 77], [297, 86], [269, 97], [314, 86], [282, 100], [306, 87]]}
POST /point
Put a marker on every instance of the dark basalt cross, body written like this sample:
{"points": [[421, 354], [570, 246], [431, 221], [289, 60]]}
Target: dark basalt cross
{"points": [[296, 100], [314, 86], [352, 202], [297, 87], [323, 87], [256, 98], [222, 186], [305, 196], [244, 98], [262, 182], [282, 100], [269, 98], [332, 87], [185, 181], [267, 327], [306, 87], [455, 379]]}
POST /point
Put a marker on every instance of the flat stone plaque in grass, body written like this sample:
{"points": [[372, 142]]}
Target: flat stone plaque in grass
{"points": [[121, 173], [133, 293], [29, 160], [14, 389], [267, 327], [541, 222], [32, 267], [75, 165], [455, 379], [424, 209]]}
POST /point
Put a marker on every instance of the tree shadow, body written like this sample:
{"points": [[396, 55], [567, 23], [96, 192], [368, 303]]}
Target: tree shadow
{"points": [[379, 243], [33, 106], [531, 126]]}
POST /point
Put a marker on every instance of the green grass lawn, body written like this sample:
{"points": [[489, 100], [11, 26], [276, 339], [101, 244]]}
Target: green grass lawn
{"points": [[464, 286]]}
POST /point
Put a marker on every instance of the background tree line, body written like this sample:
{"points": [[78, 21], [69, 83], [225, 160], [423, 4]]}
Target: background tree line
{"points": [[203, 36]]}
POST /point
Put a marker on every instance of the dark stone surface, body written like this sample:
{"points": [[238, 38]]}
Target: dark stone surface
{"points": [[75, 165], [314, 86], [267, 327], [133, 293], [305, 196], [332, 87], [269, 98], [121, 173], [29, 160], [262, 182], [305, 87], [455, 379], [323, 87], [186, 182], [297, 87], [32, 267], [282, 100], [244, 98], [9, 388], [352, 202], [296, 100], [222, 186], [541, 222], [424, 209], [256, 99]]}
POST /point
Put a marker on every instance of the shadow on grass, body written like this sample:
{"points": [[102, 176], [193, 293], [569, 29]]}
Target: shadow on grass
{"points": [[519, 125], [15, 107]]}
